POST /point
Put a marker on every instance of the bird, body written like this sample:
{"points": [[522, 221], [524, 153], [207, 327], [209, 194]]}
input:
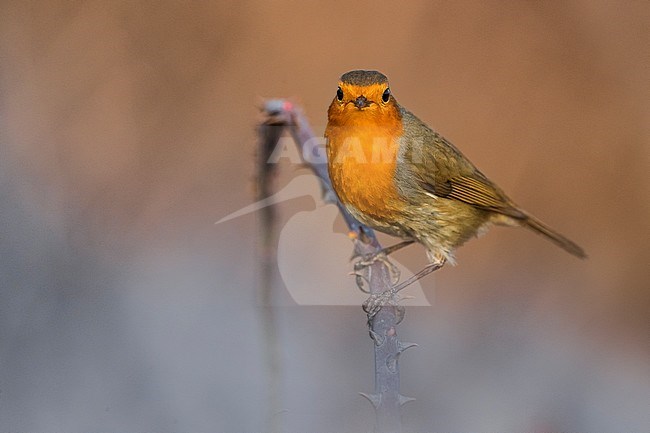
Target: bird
{"points": [[397, 175]]}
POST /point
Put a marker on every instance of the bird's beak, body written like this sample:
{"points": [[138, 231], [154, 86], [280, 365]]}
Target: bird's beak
{"points": [[361, 102]]}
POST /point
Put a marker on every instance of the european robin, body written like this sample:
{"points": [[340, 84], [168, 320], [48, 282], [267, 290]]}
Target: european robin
{"points": [[398, 176]]}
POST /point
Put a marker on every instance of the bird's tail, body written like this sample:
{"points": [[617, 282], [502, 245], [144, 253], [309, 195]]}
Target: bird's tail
{"points": [[559, 240]]}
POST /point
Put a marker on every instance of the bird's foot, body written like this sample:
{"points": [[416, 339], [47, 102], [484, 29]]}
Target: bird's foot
{"points": [[376, 301], [363, 269], [363, 266], [390, 297]]}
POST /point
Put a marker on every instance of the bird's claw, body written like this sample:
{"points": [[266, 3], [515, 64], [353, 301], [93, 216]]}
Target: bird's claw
{"points": [[362, 279], [377, 338], [393, 270], [375, 302], [363, 269]]}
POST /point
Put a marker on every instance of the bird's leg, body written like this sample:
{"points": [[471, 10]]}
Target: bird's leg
{"points": [[376, 301], [369, 259], [389, 297], [431, 267], [399, 246], [362, 268]]}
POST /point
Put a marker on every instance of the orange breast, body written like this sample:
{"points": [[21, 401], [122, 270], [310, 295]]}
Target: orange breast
{"points": [[362, 157]]}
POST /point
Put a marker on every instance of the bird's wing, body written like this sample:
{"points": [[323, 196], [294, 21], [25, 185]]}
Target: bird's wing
{"points": [[475, 190], [447, 173]]}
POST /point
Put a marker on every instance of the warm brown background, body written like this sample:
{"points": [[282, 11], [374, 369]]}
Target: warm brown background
{"points": [[127, 129]]}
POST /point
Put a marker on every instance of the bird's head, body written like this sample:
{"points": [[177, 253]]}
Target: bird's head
{"points": [[362, 95]]}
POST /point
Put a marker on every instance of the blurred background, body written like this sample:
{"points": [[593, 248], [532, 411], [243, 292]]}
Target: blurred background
{"points": [[128, 128]]}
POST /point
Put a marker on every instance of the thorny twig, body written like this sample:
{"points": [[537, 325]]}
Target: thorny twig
{"points": [[280, 114]]}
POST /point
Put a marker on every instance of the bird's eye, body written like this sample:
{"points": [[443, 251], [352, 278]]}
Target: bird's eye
{"points": [[339, 94], [386, 96]]}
